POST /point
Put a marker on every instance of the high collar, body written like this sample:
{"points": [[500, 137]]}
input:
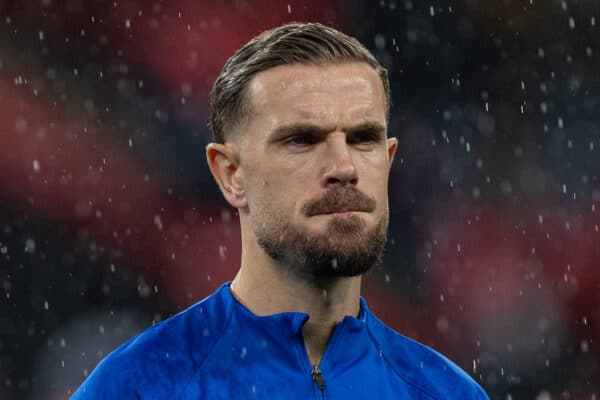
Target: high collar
{"points": [[349, 342], [289, 321]]}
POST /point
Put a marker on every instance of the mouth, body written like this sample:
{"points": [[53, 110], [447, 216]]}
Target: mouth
{"points": [[341, 211]]}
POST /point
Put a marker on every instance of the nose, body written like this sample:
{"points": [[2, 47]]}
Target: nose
{"points": [[339, 166]]}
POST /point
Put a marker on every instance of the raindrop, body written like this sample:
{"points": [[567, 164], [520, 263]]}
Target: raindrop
{"points": [[158, 222], [544, 395], [380, 41], [222, 249], [36, 165], [29, 245]]}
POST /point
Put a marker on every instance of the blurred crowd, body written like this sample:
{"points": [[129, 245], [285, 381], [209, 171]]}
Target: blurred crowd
{"points": [[110, 222]]}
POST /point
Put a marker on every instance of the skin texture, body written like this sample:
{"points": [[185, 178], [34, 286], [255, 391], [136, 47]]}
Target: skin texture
{"points": [[308, 172]]}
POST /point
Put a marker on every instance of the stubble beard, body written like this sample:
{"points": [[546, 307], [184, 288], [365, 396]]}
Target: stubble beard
{"points": [[345, 249]]}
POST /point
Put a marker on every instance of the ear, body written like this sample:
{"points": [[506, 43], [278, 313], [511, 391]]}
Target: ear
{"points": [[392, 145], [223, 162]]}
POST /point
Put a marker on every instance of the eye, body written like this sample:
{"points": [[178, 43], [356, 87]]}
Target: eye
{"points": [[363, 137], [300, 140]]}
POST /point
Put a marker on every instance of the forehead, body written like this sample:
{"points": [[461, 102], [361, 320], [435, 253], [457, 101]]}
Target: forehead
{"points": [[331, 92]]}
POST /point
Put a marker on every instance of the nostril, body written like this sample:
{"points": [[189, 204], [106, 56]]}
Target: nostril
{"points": [[335, 180]]}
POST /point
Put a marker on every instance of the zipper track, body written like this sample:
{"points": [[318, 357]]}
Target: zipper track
{"points": [[315, 370]]}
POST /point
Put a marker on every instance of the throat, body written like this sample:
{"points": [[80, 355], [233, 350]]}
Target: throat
{"points": [[316, 338]]}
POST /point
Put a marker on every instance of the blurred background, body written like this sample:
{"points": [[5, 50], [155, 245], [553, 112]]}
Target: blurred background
{"points": [[110, 222]]}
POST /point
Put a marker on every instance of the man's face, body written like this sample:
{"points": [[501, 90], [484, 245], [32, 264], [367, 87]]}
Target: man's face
{"points": [[315, 159]]}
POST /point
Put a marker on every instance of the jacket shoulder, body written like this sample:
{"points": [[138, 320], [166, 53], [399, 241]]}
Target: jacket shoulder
{"points": [[422, 367], [162, 359]]}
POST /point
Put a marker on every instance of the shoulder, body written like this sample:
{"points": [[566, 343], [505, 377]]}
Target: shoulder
{"points": [[162, 358], [422, 367]]}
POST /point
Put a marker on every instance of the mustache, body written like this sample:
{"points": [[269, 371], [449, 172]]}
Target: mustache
{"points": [[344, 197]]}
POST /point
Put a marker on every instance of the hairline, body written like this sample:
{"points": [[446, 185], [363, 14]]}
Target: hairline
{"points": [[246, 106]]}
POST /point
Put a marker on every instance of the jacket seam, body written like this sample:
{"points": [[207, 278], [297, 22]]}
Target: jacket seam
{"points": [[208, 353], [409, 382]]}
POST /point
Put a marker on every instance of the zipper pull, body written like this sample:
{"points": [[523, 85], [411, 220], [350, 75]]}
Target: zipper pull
{"points": [[318, 377]]}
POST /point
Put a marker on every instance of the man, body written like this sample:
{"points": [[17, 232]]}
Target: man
{"points": [[299, 117]]}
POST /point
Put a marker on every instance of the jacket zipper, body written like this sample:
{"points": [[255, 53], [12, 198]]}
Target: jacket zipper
{"points": [[315, 373], [317, 376]]}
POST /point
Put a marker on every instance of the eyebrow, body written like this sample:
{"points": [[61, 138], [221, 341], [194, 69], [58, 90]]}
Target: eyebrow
{"points": [[367, 126], [283, 131]]}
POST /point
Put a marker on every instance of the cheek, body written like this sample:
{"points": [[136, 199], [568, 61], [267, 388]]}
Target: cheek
{"points": [[376, 181], [269, 194]]}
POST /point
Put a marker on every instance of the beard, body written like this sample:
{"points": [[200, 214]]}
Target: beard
{"points": [[345, 248]]}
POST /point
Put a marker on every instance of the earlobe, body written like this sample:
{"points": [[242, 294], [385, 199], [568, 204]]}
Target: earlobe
{"points": [[223, 162]]}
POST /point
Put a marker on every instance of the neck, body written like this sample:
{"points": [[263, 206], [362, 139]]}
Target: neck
{"points": [[267, 288]]}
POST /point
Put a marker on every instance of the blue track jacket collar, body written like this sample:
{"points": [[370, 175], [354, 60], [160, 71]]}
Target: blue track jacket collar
{"points": [[218, 349]]}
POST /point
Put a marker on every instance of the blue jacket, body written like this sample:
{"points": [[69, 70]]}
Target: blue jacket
{"points": [[218, 349]]}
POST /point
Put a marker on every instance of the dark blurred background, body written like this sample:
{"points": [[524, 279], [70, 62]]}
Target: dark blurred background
{"points": [[110, 222]]}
